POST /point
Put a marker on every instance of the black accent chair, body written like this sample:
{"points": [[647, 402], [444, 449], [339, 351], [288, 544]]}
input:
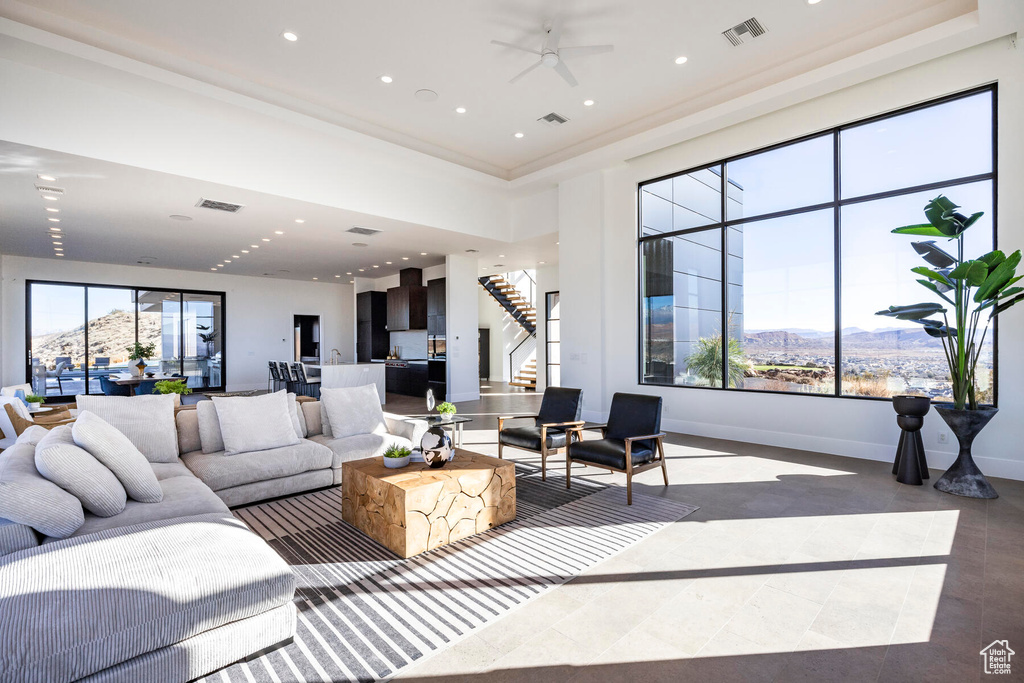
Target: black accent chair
{"points": [[559, 411], [632, 441]]}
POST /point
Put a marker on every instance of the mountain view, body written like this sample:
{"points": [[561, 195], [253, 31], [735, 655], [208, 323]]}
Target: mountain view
{"points": [[109, 336]]}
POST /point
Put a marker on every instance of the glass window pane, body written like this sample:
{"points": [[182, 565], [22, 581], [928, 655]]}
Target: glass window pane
{"points": [[901, 151], [203, 340], [788, 177], [883, 356], [111, 332], [685, 201], [681, 301], [782, 304], [160, 324], [57, 339]]}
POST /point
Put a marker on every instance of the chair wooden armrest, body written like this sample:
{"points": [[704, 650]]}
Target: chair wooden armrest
{"points": [[631, 439], [574, 423], [501, 420]]}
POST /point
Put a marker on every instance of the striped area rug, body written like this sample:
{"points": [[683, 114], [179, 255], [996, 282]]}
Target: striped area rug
{"points": [[364, 614]]}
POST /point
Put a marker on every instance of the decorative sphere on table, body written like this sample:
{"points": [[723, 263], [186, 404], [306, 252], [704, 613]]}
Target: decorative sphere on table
{"points": [[437, 447]]}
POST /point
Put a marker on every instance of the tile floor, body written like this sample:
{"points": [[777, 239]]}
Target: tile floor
{"points": [[798, 566]]}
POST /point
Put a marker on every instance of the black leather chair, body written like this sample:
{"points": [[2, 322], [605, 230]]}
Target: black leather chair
{"points": [[632, 441], [559, 411]]}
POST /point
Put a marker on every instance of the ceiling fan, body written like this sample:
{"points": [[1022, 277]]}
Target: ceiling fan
{"points": [[551, 55]]}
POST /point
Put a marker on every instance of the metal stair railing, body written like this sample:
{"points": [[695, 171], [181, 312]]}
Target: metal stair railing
{"points": [[509, 307]]}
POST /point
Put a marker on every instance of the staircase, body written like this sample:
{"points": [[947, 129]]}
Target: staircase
{"points": [[514, 303], [527, 377]]}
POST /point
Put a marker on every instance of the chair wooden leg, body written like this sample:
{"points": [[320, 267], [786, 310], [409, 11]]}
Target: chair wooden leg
{"points": [[543, 462], [568, 470], [664, 469], [500, 446], [629, 488]]}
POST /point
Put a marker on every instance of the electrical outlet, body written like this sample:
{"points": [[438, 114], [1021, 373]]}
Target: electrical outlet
{"points": [[943, 437]]}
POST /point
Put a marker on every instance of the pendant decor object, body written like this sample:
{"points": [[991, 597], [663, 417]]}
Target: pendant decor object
{"points": [[963, 478], [430, 400], [910, 466], [437, 447]]}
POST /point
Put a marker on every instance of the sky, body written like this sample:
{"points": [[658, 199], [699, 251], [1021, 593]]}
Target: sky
{"points": [[788, 262]]}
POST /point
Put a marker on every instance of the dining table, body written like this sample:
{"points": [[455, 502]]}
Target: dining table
{"points": [[133, 381]]}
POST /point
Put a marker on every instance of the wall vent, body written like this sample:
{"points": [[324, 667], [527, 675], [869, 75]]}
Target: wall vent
{"points": [[553, 119], [357, 230], [204, 203], [740, 33], [48, 189]]}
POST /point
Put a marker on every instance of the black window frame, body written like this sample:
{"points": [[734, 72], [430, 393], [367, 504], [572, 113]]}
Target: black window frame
{"points": [[837, 204], [85, 311]]}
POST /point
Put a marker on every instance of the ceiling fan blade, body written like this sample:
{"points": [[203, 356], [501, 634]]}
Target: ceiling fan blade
{"points": [[562, 70], [525, 71], [554, 35], [516, 47], [584, 50]]}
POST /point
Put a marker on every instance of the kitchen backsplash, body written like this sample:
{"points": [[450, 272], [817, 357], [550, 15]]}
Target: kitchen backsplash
{"points": [[412, 344]]}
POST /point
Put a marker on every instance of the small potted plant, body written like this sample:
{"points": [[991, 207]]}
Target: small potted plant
{"points": [[396, 456], [34, 402], [447, 411], [139, 352], [173, 386]]}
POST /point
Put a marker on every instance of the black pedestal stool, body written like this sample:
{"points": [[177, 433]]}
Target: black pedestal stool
{"points": [[910, 466]]}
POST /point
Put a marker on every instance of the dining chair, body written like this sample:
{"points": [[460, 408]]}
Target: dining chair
{"points": [[147, 386], [632, 443], [109, 388]]}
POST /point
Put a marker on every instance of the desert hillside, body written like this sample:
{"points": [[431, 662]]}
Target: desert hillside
{"points": [[109, 335]]}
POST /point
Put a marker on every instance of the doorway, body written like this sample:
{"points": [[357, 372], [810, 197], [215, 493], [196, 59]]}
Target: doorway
{"points": [[307, 339], [484, 354]]}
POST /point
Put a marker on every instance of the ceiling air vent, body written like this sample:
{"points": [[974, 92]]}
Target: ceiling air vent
{"points": [[740, 33], [47, 189], [356, 230], [553, 119], [219, 206]]}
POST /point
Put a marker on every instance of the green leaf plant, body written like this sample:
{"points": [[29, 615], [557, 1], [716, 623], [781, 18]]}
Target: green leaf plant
{"points": [[977, 290]]}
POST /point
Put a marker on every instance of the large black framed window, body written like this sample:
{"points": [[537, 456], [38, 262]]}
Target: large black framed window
{"points": [[78, 334], [763, 272]]}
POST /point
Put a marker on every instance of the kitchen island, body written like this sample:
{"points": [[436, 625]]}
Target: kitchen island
{"points": [[334, 375]]}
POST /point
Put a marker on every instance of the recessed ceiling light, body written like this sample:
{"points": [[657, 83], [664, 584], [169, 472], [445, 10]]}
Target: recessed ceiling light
{"points": [[300, 220], [50, 198], [387, 263], [351, 282], [423, 253], [58, 243], [337, 276], [541, 262], [254, 246], [517, 135], [266, 239], [386, 79], [376, 266], [235, 256], [348, 273], [180, 217], [809, 2], [58, 248], [245, 251], [588, 103], [460, 110], [58, 254], [501, 256], [680, 60], [289, 36], [279, 232], [55, 229], [214, 269], [405, 258], [316, 278], [53, 209], [53, 220], [425, 95], [362, 269], [43, 176]]}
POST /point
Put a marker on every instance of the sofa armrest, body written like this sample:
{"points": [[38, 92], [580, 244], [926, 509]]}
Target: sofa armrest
{"points": [[15, 537], [406, 427]]}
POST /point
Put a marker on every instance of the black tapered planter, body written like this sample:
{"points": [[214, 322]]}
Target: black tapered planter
{"points": [[911, 465], [964, 478]]}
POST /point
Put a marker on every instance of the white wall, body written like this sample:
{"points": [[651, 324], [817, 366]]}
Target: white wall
{"points": [[598, 276], [535, 214], [462, 318], [258, 311]]}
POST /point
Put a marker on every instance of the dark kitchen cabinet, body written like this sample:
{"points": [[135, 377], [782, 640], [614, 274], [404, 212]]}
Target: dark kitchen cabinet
{"points": [[417, 384], [407, 308], [408, 381], [436, 307], [372, 339]]}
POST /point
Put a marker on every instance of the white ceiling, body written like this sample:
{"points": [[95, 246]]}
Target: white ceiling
{"points": [[112, 213], [332, 70]]}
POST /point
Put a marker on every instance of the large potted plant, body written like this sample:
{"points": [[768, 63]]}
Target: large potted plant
{"points": [[977, 290], [139, 352]]}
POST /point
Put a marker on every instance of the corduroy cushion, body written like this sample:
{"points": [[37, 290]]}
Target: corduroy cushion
{"points": [[354, 410], [113, 449], [147, 421], [211, 438], [27, 498], [76, 471], [15, 537], [257, 423]]}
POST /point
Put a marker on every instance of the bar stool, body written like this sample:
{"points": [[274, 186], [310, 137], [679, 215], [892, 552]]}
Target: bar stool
{"points": [[304, 381], [275, 379]]}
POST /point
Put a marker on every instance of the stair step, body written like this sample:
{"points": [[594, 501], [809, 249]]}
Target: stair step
{"points": [[527, 385]]}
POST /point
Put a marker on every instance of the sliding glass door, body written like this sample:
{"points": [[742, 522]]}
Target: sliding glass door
{"points": [[80, 334]]}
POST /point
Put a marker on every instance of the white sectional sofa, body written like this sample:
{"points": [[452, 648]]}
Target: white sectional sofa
{"points": [[167, 590]]}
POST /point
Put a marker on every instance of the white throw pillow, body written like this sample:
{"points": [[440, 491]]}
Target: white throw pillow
{"points": [[76, 471], [147, 421], [354, 410], [210, 436], [119, 454], [257, 423]]}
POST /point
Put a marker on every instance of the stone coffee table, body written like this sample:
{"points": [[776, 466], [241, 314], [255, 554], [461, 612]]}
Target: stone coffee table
{"points": [[415, 508]]}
